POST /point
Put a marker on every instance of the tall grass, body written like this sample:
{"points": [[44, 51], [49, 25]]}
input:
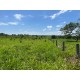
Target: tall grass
{"points": [[38, 54]]}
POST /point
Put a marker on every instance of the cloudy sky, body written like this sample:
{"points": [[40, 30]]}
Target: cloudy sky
{"points": [[36, 22]]}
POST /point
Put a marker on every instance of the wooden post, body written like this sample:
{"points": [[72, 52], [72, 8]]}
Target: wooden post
{"points": [[77, 50], [63, 46], [56, 42]]}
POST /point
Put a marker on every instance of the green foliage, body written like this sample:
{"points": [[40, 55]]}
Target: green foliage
{"points": [[38, 54], [68, 28], [53, 37]]}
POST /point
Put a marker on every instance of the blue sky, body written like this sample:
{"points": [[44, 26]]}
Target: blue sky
{"points": [[36, 22]]}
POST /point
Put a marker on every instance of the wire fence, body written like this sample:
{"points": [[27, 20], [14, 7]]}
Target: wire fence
{"points": [[63, 47]]}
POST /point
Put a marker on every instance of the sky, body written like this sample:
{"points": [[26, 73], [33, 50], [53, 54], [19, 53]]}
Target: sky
{"points": [[36, 22]]}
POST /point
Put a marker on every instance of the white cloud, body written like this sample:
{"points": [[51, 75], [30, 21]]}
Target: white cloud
{"points": [[53, 16], [49, 27], [13, 23], [57, 33], [3, 24], [8, 23], [58, 26], [57, 14], [18, 16], [64, 22]]}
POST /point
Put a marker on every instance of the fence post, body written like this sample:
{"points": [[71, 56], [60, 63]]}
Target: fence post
{"points": [[56, 42], [63, 46], [77, 50]]}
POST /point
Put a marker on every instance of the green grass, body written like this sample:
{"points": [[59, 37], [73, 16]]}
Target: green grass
{"points": [[38, 54]]}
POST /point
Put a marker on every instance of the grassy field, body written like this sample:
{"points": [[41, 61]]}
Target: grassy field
{"points": [[38, 54]]}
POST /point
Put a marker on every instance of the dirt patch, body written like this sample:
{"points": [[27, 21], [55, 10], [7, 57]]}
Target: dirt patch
{"points": [[72, 59]]}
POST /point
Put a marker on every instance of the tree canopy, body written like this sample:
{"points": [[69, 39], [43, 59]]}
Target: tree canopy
{"points": [[71, 28]]}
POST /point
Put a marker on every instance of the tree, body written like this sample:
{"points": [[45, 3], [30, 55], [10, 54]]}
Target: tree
{"points": [[3, 34], [69, 29], [78, 32], [53, 37], [78, 29]]}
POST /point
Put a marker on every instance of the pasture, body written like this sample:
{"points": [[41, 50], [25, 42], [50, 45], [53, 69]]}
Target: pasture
{"points": [[37, 54]]}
